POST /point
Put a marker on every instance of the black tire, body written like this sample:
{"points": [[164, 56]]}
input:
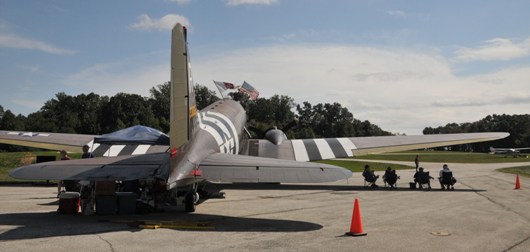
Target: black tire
{"points": [[189, 202]]}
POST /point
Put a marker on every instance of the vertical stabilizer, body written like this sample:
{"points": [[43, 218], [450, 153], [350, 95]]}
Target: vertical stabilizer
{"points": [[182, 96]]}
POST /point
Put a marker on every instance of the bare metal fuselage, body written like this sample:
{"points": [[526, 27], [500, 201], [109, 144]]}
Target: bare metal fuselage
{"points": [[217, 128]]}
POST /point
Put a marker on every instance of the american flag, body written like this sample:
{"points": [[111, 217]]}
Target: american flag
{"points": [[250, 90]]}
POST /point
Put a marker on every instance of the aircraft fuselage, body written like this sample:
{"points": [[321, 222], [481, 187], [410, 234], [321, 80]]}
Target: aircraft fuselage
{"points": [[217, 128]]}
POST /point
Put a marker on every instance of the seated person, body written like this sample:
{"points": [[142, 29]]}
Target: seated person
{"points": [[390, 177], [422, 178], [446, 178], [369, 176]]}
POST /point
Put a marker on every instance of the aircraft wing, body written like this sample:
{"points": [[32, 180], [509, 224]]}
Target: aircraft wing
{"points": [[51, 141], [327, 148], [220, 167], [135, 140], [105, 168]]}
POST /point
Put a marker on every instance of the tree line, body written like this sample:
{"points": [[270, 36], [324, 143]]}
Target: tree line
{"points": [[517, 125], [95, 114]]}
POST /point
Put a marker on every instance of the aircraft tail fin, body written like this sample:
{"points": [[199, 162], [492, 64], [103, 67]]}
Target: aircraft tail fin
{"points": [[183, 107]]}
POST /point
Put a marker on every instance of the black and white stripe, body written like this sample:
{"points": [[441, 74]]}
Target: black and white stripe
{"points": [[222, 130], [318, 149], [107, 150], [29, 134]]}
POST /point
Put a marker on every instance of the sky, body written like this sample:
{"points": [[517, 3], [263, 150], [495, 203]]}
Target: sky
{"points": [[402, 65]]}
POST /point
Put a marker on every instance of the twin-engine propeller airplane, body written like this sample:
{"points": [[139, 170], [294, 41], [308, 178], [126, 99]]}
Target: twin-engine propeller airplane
{"points": [[207, 145], [515, 152]]}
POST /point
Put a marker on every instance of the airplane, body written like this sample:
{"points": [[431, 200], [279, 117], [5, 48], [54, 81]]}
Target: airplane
{"points": [[515, 152], [207, 145]]}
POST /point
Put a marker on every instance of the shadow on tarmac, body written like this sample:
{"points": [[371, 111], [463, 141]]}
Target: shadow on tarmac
{"points": [[51, 203], [276, 186], [51, 224]]}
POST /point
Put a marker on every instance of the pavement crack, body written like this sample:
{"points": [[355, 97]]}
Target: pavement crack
{"points": [[495, 202], [517, 244], [110, 244]]}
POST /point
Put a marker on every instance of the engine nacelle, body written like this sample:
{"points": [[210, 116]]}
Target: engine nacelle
{"points": [[275, 136]]}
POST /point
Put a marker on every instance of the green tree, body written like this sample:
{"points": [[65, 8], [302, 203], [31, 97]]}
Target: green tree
{"points": [[332, 120], [37, 121], [1, 112], [160, 101], [126, 110], [263, 113], [60, 112], [517, 125], [89, 113], [10, 121], [204, 96]]}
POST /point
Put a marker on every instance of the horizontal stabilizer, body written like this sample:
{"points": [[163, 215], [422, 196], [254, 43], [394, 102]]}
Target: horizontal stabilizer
{"points": [[98, 169], [236, 168]]}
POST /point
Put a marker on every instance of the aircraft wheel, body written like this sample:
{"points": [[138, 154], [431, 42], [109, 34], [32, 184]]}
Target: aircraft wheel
{"points": [[196, 198], [189, 202]]}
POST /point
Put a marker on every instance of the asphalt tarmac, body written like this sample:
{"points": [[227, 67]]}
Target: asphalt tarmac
{"points": [[483, 213]]}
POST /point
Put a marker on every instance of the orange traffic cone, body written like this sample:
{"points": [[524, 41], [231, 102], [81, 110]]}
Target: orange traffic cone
{"points": [[356, 227], [517, 183]]}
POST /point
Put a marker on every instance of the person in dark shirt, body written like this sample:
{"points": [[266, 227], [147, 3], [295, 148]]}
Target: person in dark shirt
{"points": [[369, 176], [390, 177], [422, 177], [86, 153], [446, 178]]}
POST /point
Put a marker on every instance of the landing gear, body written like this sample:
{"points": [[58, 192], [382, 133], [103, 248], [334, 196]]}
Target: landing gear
{"points": [[189, 202], [191, 199]]}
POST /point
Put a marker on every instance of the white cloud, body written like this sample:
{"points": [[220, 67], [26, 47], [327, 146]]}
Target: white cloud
{"points": [[495, 49], [241, 2], [396, 13], [163, 24], [399, 90], [17, 42], [179, 2]]}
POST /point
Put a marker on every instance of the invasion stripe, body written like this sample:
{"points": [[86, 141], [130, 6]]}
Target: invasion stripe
{"points": [[348, 145], [141, 149], [217, 128], [300, 153], [230, 125], [230, 130], [226, 137], [128, 150], [325, 151], [92, 146], [114, 150], [336, 147], [210, 130], [312, 149], [100, 150]]}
